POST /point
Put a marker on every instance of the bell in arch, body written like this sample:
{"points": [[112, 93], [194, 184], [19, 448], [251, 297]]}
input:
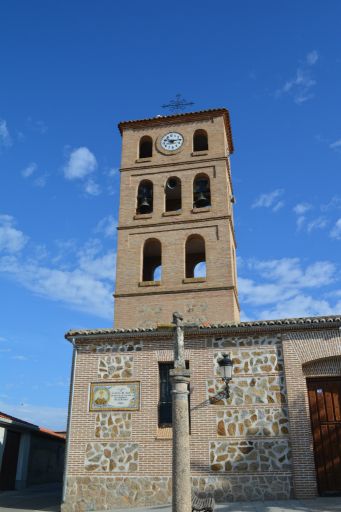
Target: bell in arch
{"points": [[145, 206], [201, 200]]}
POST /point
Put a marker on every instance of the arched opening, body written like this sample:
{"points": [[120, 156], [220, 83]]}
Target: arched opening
{"points": [[146, 147], [195, 256], [145, 197], [152, 270], [200, 140], [173, 194], [201, 191]]}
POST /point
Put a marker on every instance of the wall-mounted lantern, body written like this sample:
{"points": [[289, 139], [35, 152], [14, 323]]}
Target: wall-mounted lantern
{"points": [[226, 367]]}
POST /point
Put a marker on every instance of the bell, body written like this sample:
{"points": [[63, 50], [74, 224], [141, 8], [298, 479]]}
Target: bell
{"points": [[201, 200], [145, 206]]}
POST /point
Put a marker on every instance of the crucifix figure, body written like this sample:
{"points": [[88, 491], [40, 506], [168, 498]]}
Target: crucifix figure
{"points": [[179, 345]]}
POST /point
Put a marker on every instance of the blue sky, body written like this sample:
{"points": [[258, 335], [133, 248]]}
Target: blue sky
{"points": [[70, 71]]}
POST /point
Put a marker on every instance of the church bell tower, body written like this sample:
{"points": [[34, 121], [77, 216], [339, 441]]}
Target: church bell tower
{"points": [[176, 242]]}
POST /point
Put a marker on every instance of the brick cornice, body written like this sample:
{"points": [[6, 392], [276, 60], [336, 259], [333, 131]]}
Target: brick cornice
{"points": [[176, 222], [195, 162], [174, 291], [181, 118]]}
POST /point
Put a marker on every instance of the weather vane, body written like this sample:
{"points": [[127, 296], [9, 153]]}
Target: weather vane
{"points": [[178, 105]]}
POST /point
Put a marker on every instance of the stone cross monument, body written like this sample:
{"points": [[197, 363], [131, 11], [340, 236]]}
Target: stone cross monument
{"points": [[180, 418]]}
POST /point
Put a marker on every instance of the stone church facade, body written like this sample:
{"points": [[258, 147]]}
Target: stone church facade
{"points": [[261, 443]]}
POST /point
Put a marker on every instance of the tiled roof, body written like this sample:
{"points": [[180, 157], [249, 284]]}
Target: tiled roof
{"points": [[305, 321], [180, 117], [17, 420], [31, 426]]}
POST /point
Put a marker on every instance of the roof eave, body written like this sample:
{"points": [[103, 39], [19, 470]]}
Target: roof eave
{"points": [[180, 117], [242, 327]]}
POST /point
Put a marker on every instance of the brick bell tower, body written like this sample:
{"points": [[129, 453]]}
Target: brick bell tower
{"points": [[176, 242]]}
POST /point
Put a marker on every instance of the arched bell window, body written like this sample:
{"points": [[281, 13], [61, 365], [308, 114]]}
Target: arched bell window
{"points": [[151, 267], [200, 140], [145, 197], [146, 147], [201, 191], [195, 256], [173, 194]]}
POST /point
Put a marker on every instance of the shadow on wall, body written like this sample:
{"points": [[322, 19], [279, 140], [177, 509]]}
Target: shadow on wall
{"points": [[46, 461]]}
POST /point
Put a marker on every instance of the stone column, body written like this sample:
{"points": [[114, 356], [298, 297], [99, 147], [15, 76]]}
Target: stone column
{"points": [[180, 418]]}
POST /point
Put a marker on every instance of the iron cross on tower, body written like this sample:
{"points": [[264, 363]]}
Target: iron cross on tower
{"points": [[178, 105]]}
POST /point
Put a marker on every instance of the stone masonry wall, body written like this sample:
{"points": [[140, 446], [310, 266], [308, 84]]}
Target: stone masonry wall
{"points": [[240, 447]]}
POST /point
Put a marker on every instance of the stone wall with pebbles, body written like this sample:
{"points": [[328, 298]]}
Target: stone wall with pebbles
{"points": [[252, 361], [240, 447], [111, 457], [252, 426], [249, 390], [119, 366], [105, 348], [250, 456], [112, 425], [246, 341], [267, 422], [97, 493]]}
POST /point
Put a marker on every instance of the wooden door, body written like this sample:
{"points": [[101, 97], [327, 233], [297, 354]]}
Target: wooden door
{"points": [[325, 414], [9, 460]]}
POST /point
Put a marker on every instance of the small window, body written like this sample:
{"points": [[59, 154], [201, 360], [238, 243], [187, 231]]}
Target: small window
{"points": [[201, 191], [200, 140], [165, 402], [173, 194], [152, 270], [145, 197], [195, 257], [146, 147]]}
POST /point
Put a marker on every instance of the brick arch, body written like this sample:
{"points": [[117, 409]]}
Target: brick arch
{"points": [[324, 367], [303, 352]]}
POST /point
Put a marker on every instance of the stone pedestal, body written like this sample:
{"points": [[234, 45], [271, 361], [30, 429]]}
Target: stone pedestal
{"points": [[181, 452]]}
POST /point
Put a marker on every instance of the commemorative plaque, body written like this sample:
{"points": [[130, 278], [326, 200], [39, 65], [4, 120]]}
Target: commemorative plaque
{"points": [[115, 396]]}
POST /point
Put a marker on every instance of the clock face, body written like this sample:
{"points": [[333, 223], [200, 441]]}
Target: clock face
{"points": [[172, 141]]}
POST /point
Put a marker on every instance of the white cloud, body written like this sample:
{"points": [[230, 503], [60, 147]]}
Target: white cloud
{"points": [[301, 85], [101, 267], [42, 415], [29, 170], [278, 288], [84, 284], [301, 222], [5, 138], [20, 358], [302, 208], [299, 306], [334, 204], [312, 58], [336, 230], [318, 223], [269, 200], [107, 226], [336, 145], [92, 188], [81, 163], [289, 272], [11, 239], [84, 289], [278, 206]]}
